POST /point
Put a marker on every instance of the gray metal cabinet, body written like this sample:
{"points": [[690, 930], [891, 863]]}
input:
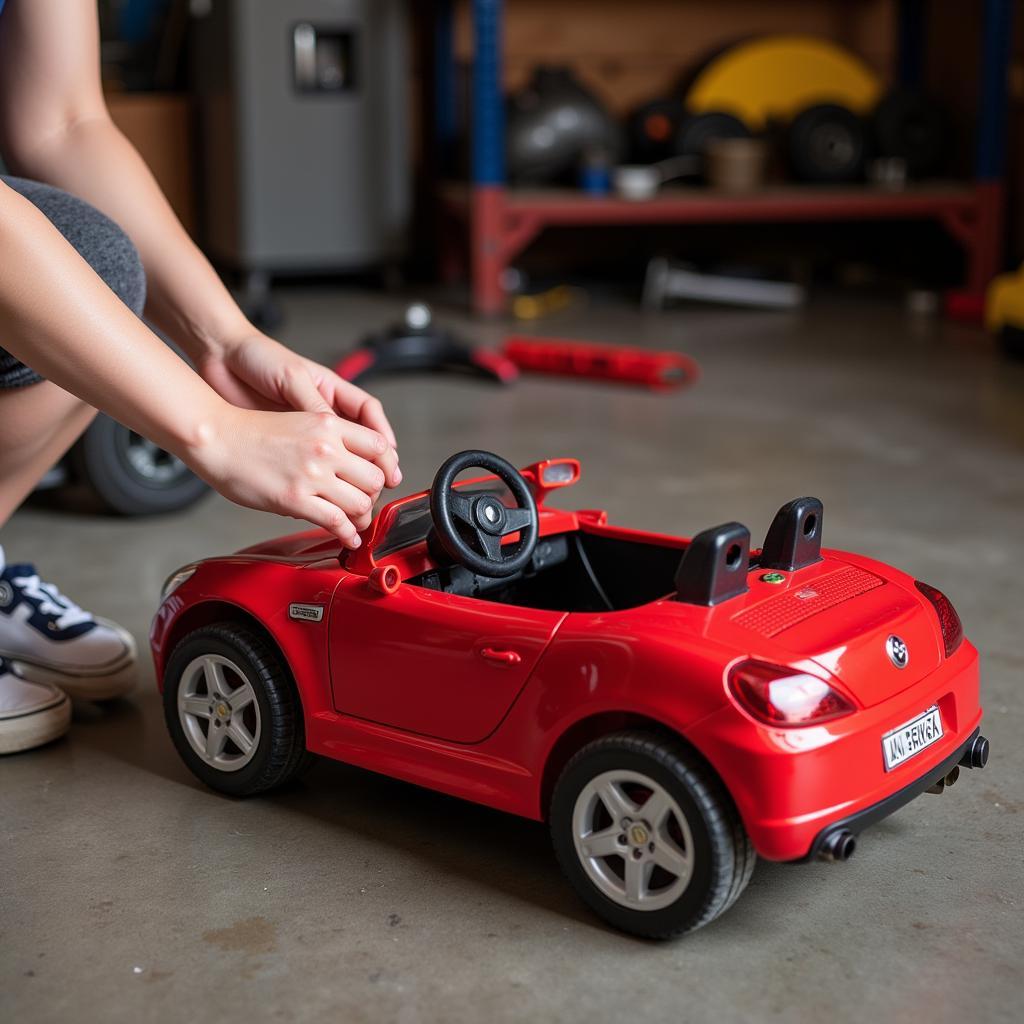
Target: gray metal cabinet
{"points": [[305, 132]]}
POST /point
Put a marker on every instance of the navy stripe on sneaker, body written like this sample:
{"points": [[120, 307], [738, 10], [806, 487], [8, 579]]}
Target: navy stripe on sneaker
{"points": [[50, 613]]}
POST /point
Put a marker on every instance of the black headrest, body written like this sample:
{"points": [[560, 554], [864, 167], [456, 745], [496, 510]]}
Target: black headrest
{"points": [[794, 538], [714, 567]]}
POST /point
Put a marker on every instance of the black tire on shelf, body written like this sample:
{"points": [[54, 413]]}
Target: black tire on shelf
{"points": [[722, 854], [827, 144], [280, 751], [697, 130], [131, 476], [914, 128], [652, 129]]}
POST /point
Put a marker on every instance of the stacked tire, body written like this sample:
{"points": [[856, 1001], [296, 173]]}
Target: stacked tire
{"points": [[827, 144]]}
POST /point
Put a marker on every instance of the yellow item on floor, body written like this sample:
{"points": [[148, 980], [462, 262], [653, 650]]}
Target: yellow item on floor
{"points": [[1004, 302], [776, 77], [554, 300]]}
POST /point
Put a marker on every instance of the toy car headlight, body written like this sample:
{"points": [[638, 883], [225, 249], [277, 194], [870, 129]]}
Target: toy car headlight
{"points": [[175, 580]]}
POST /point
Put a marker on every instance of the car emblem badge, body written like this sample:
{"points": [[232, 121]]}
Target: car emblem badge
{"points": [[773, 577], [638, 834], [896, 648], [306, 612]]}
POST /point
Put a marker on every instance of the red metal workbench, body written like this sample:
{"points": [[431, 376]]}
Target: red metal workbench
{"points": [[502, 221]]}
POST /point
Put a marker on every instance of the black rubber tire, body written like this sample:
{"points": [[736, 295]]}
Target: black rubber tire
{"points": [[652, 129], [697, 130], [100, 461], [724, 856], [827, 145], [281, 754]]}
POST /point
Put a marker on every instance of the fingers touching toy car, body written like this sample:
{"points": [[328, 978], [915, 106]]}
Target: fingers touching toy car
{"points": [[673, 708]]}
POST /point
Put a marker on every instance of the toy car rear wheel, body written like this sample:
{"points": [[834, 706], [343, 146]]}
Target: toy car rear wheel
{"points": [[233, 712], [648, 836]]}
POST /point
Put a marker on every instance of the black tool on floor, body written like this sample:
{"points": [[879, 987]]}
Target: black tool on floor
{"points": [[416, 343]]}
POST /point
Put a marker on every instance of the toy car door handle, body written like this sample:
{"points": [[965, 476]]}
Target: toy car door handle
{"points": [[501, 657]]}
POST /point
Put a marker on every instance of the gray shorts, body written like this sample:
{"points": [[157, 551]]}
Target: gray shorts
{"points": [[103, 245]]}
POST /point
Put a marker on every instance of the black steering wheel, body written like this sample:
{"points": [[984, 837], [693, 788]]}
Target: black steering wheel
{"points": [[469, 527]]}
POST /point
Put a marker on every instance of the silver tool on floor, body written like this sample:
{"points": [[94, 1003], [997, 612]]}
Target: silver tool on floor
{"points": [[666, 281]]}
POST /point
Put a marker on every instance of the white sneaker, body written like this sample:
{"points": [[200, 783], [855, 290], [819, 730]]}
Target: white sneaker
{"points": [[31, 714], [49, 639]]}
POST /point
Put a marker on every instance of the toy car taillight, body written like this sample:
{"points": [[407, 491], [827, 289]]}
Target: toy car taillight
{"points": [[783, 697], [949, 621]]}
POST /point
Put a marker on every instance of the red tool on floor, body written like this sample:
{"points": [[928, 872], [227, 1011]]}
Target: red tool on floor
{"points": [[660, 371], [418, 344]]}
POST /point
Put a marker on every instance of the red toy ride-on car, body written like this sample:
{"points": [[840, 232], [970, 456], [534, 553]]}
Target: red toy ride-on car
{"points": [[671, 707]]}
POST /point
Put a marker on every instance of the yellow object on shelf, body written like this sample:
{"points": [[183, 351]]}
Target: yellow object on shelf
{"points": [[778, 76], [1004, 302]]}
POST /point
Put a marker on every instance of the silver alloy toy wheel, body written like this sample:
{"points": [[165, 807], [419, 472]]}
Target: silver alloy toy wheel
{"points": [[633, 841], [219, 712]]}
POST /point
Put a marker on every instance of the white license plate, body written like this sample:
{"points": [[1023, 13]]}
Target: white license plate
{"points": [[911, 738]]}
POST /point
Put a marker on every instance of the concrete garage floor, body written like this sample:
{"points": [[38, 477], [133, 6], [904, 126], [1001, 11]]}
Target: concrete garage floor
{"points": [[130, 892]]}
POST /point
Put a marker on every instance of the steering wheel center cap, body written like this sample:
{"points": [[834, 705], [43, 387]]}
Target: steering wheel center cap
{"points": [[490, 514]]}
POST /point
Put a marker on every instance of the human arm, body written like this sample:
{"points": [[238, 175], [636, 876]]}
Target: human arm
{"points": [[55, 128], [58, 316]]}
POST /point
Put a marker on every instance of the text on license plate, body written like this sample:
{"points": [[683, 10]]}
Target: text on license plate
{"points": [[911, 738]]}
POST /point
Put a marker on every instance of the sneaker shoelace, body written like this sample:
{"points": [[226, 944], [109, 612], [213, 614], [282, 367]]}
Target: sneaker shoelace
{"points": [[49, 600]]}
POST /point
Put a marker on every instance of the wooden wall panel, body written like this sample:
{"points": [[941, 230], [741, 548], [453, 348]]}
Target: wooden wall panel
{"points": [[631, 51]]}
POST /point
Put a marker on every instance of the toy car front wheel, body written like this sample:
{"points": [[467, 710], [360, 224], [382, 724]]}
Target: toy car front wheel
{"points": [[648, 836], [232, 711]]}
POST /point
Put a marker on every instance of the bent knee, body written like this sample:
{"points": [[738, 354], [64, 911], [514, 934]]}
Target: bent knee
{"points": [[105, 246], [116, 260], [98, 240]]}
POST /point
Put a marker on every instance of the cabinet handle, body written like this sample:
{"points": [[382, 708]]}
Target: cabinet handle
{"points": [[304, 43]]}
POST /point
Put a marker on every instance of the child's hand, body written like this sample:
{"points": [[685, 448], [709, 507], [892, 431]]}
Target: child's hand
{"points": [[308, 465], [253, 371]]}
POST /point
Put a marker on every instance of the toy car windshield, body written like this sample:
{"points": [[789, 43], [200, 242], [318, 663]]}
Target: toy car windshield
{"points": [[412, 521]]}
